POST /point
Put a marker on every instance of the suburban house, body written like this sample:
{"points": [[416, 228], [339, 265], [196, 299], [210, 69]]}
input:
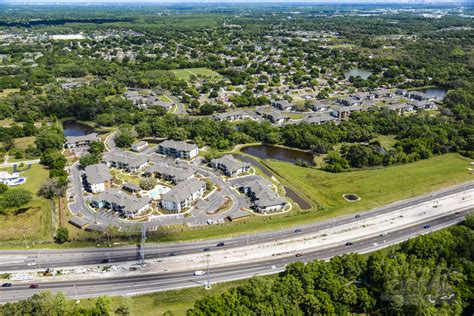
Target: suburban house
{"points": [[237, 115], [276, 117], [81, 141], [139, 146], [124, 160], [263, 198], [384, 93], [116, 200], [282, 105], [230, 166], [342, 112], [349, 101], [401, 107], [178, 149], [320, 118], [183, 195], [419, 96], [423, 105], [97, 178], [169, 173]]}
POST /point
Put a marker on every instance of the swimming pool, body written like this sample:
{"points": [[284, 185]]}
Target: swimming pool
{"points": [[157, 191]]}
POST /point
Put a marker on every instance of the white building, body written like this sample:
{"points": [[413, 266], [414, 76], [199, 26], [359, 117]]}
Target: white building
{"points": [[183, 195], [139, 146], [11, 179], [98, 178], [178, 149]]}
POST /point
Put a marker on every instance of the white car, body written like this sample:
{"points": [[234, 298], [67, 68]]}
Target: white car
{"points": [[199, 272]]}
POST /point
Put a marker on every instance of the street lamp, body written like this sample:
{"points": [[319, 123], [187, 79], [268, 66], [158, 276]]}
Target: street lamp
{"points": [[208, 285]]}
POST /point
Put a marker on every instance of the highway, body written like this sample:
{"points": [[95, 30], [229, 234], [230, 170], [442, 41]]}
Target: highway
{"points": [[138, 283], [91, 256]]}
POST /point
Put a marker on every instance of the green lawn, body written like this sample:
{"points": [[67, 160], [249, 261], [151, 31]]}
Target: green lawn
{"points": [[185, 74], [24, 142], [376, 187], [33, 221]]}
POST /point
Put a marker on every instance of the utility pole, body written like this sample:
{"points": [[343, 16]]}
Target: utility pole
{"points": [[142, 246], [208, 285]]}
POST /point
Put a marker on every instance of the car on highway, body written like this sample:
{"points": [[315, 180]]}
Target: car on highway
{"points": [[298, 230], [349, 243], [383, 234], [206, 249], [299, 255], [221, 244], [457, 213], [357, 216], [34, 286], [6, 285], [172, 254], [426, 226], [199, 272]]}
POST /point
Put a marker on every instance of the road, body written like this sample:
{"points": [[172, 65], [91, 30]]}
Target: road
{"points": [[132, 284], [90, 256]]}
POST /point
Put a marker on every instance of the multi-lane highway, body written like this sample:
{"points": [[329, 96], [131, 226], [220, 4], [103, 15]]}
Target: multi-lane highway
{"points": [[22, 260], [142, 283]]}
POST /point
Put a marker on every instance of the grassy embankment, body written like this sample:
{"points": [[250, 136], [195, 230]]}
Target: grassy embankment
{"points": [[33, 221]]}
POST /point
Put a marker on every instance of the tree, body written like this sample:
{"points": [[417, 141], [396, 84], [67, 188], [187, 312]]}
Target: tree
{"points": [[335, 163], [62, 235], [3, 187], [53, 159], [147, 184], [53, 187], [102, 306], [89, 159], [49, 138], [15, 198]]}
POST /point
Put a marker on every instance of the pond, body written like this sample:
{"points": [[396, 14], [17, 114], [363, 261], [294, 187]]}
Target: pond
{"points": [[354, 72], [73, 128], [279, 153], [438, 93]]}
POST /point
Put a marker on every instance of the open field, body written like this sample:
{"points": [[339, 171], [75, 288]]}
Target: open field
{"points": [[24, 142], [185, 74], [33, 221], [387, 141], [376, 187]]}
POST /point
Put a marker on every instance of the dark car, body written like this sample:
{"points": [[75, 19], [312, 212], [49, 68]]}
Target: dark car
{"points": [[298, 230], [221, 244], [426, 226], [457, 213], [34, 286], [349, 243], [206, 249], [6, 285], [172, 254], [299, 255], [357, 216]]}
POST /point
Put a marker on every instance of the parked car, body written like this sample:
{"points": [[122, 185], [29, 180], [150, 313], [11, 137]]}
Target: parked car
{"points": [[299, 255], [383, 234], [6, 285], [221, 244], [349, 243], [34, 286], [426, 226]]}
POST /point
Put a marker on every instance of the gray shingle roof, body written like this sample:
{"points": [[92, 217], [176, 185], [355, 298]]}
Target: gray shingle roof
{"points": [[129, 203], [98, 173], [178, 145], [184, 190]]}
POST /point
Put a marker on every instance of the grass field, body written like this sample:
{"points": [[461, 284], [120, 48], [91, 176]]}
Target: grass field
{"points": [[24, 142], [185, 74], [33, 221], [176, 301], [387, 141], [376, 187]]}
